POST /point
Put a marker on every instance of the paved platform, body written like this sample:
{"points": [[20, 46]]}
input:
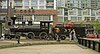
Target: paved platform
{"points": [[49, 49], [22, 41]]}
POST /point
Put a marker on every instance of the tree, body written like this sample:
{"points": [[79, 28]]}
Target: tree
{"points": [[97, 28]]}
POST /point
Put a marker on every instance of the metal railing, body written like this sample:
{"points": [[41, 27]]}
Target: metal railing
{"points": [[90, 43]]}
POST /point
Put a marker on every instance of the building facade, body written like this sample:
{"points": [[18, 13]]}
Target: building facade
{"points": [[78, 10], [30, 10], [53, 10]]}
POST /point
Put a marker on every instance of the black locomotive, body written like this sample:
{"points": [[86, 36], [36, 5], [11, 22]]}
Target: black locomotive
{"points": [[31, 31], [43, 31]]}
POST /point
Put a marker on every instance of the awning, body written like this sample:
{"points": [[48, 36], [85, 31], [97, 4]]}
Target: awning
{"points": [[69, 25]]}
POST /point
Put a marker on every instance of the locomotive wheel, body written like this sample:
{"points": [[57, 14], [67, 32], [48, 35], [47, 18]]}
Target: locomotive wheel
{"points": [[50, 37], [8, 37], [63, 37], [43, 35], [31, 35]]}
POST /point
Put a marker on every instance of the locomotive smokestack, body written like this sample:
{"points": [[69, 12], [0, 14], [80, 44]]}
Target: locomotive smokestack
{"points": [[13, 19]]}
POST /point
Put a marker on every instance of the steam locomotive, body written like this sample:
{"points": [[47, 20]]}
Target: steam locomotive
{"points": [[43, 31]]}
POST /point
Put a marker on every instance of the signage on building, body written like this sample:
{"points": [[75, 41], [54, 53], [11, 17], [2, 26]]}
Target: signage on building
{"points": [[24, 11]]}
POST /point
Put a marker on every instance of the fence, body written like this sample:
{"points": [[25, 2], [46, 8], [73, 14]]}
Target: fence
{"points": [[90, 43]]}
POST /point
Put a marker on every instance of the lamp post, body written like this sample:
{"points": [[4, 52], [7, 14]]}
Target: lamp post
{"points": [[8, 11], [7, 17]]}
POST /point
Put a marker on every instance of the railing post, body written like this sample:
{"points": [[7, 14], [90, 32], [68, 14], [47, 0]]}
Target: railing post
{"points": [[82, 42], [85, 42], [79, 40], [99, 47], [93, 45], [89, 44]]}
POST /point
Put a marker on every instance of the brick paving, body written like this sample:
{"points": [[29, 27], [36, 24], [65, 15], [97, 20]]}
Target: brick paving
{"points": [[49, 49]]}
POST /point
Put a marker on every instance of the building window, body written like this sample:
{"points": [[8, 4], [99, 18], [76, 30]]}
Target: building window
{"points": [[19, 18], [34, 7], [26, 2], [38, 18], [66, 13], [65, 19], [41, 2], [98, 12], [74, 19], [4, 4], [72, 12], [27, 18], [79, 19], [92, 12], [92, 19], [34, 2], [60, 11], [87, 19], [60, 3], [98, 19], [49, 4], [18, 2], [41, 7], [86, 12], [18, 7], [79, 12], [60, 19]]}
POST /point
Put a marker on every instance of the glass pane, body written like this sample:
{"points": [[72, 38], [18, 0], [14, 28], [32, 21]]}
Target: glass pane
{"points": [[34, 2], [87, 19], [60, 11], [74, 19], [60, 19], [41, 2], [38, 18], [26, 2], [92, 19], [79, 19], [41, 7]]}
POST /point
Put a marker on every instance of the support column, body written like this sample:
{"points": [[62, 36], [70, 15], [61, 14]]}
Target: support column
{"points": [[23, 4], [55, 18], [51, 18], [55, 4], [68, 16], [30, 4], [32, 19], [82, 16]]}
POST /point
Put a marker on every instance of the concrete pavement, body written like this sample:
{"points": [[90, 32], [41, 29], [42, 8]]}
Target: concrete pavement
{"points": [[49, 49]]}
